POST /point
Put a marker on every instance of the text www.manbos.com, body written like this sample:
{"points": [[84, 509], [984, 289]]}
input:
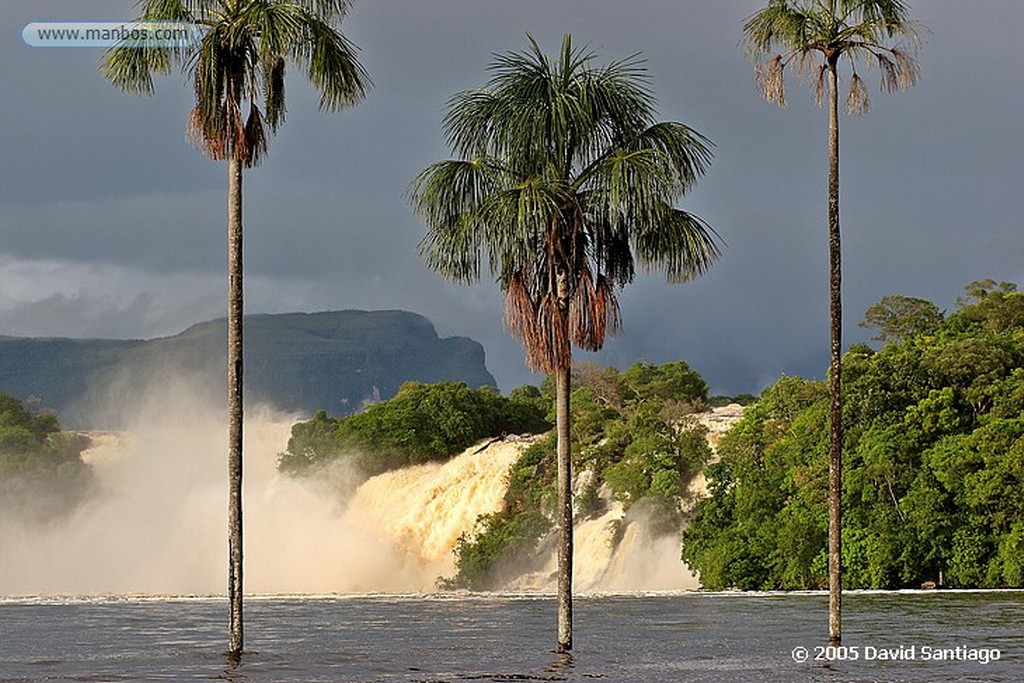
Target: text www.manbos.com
{"points": [[144, 34]]}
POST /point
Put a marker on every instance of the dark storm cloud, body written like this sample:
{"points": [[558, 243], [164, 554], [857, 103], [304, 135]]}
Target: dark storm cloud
{"points": [[102, 188]]}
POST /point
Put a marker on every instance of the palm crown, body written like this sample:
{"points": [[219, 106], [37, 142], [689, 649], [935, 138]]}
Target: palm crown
{"points": [[859, 31], [563, 184], [241, 60]]}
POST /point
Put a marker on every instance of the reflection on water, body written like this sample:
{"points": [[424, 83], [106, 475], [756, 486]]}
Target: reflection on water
{"points": [[716, 638]]}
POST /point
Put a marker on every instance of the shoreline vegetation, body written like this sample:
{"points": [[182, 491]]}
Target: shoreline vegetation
{"points": [[934, 459]]}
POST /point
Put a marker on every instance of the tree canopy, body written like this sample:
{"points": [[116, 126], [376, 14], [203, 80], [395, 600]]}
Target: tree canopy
{"points": [[818, 35], [934, 460], [422, 423]]}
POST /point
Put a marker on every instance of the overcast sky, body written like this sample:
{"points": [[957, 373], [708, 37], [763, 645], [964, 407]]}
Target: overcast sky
{"points": [[112, 225]]}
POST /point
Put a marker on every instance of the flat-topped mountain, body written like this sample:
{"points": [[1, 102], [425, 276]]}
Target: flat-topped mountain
{"points": [[300, 362]]}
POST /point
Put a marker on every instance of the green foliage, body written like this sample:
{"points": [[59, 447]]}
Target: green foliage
{"points": [[312, 441], [422, 423], [629, 435], [499, 541], [898, 317], [41, 471], [933, 465], [531, 478], [719, 401], [630, 429], [674, 381]]}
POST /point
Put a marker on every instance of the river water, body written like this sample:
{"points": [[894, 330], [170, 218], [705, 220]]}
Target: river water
{"points": [[705, 637]]}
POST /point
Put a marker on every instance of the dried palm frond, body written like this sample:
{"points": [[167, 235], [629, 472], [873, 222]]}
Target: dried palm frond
{"points": [[819, 84], [520, 311], [890, 72], [769, 76], [857, 101], [581, 311], [254, 137], [906, 68]]}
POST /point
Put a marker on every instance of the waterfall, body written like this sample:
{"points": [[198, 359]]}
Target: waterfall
{"points": [[606, 559], [158, 522], [423, 510]]}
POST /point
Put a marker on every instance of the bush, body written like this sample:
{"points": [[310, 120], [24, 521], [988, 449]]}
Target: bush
{"points": [[422, 423]]}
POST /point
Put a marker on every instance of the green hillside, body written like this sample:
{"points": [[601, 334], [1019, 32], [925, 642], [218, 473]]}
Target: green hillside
{"points": [[302, 362]]}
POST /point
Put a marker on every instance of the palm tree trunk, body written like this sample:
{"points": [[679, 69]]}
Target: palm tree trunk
{"points": [[562, 385], [235, 312], [835, 414], [563, 381]]}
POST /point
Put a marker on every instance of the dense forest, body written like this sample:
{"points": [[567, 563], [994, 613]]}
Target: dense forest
{"points": [[933, 485], [42, 474]]}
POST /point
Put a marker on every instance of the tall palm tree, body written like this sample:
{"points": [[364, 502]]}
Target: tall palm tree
{"points": [[819, 35], [564, 182], [238, 74]]}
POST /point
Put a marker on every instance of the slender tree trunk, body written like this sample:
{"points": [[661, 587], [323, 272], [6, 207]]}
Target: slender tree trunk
{"points": [[235, 313], [564, 514], [562, 385], [835, 415]]}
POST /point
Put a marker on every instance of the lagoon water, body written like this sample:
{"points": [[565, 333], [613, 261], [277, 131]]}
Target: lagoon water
{"points": [[700, 637]]}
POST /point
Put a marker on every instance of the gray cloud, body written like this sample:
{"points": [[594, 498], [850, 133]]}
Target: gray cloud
{"points": [[105, 189]]}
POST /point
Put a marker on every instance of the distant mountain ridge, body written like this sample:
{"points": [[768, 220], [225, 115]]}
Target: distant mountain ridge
{"points": [[296, 362]]}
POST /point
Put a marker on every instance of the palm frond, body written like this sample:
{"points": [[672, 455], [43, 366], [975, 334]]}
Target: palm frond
{"points": [[131, 69], [682, 245], [517, 220], [907, 69], [254, 139], [686, 153], [273, 92], [330, 10], [780, 26], [770, 79], [593, 311], [333, 64], [449, 196], [466, 123]]}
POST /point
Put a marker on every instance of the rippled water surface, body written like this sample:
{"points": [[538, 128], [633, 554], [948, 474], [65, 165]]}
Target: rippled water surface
{"points": [[622, 639]]}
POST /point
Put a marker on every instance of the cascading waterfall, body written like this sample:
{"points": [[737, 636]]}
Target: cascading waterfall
{"points": [[157, 524], [423, 510]]}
